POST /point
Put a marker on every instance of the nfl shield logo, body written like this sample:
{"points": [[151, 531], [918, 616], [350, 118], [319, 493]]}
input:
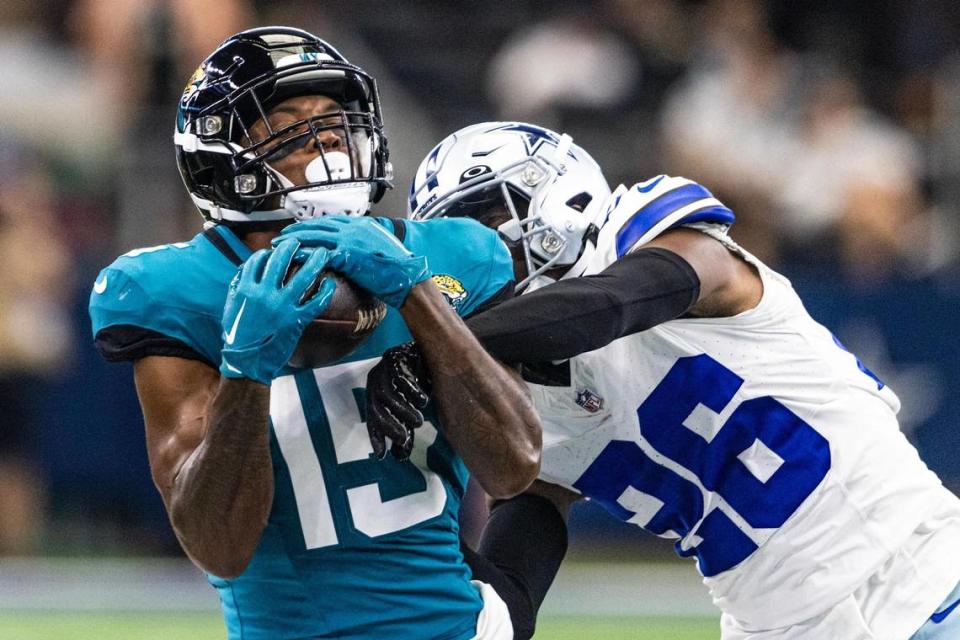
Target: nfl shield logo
{"points": [[589, 400]]}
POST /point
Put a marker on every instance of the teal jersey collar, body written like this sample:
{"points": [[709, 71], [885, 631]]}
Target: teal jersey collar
{"points": [[227, 242]]}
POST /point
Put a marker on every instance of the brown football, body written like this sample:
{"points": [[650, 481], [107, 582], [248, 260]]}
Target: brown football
{"points": [[351, 316]]}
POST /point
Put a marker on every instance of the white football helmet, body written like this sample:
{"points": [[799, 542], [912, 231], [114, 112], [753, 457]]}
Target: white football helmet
{"points": [[483, 163]]}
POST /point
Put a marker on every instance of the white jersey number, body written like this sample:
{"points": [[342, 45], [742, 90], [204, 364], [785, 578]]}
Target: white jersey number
{"points": [[337, 454]]}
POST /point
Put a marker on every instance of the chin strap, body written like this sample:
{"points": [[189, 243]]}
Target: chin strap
{"points": [[348, 198]]}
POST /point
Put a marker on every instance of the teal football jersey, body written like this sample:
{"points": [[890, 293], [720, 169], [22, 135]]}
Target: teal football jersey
{"points": [[354, 547]]}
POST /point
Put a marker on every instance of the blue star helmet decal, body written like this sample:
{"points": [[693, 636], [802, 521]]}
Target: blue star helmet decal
{"points": [[534, 137]]}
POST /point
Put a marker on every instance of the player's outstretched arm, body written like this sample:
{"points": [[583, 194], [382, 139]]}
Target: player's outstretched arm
{"points": [[484, 406], [209, 450], [682, 271]]}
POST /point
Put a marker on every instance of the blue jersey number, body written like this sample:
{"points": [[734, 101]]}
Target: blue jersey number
{"points": [[761, 459]]}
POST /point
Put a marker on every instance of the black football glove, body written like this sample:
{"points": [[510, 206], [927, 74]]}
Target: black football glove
{"points": [[398, 389]]}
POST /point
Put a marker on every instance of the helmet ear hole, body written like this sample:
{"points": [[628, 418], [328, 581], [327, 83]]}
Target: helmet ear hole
{"points": [[580, 201]]}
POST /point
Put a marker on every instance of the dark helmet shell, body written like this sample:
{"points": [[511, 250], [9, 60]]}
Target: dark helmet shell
{"points": [[237, 85]]}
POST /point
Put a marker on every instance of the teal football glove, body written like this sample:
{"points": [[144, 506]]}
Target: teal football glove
{"points": [[263, 317], [363, 250]]}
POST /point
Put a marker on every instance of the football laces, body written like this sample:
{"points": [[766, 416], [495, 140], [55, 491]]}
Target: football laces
{"points": [[369, 318]]}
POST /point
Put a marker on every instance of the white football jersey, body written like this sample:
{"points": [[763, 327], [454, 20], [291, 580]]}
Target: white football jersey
{"points": [[758, 442]]}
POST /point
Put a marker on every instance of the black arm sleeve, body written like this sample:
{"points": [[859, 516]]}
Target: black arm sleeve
{"points": [[570, 317], [520, 551]]}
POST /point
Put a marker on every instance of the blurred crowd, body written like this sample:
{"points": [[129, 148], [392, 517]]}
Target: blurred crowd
{"points": [[829, 153], [832, 128]]}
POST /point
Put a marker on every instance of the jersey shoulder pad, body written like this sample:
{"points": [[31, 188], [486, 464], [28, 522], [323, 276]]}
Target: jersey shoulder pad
{"points": [[470, 264], [174, 291], [639, 214]]}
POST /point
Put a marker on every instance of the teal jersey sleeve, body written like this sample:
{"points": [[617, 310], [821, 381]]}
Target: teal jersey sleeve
{"points": [[164, 300], [470, 263]]}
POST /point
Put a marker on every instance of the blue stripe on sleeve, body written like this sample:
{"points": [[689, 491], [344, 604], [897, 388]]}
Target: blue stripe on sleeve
{"points": [[715, 213], [645, 219]]}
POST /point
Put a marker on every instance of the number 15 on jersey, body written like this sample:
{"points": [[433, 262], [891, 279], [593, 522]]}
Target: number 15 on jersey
{"points": [[339, 488]]}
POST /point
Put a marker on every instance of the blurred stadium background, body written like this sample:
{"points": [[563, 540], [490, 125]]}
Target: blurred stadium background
{"points": [[832, 127]]}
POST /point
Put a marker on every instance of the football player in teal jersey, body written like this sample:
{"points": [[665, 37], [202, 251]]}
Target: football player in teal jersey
{"points": [[267, 472]]}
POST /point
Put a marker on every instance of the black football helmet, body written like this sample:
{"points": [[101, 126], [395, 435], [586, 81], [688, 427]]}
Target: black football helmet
{"points": [[229, 175]]}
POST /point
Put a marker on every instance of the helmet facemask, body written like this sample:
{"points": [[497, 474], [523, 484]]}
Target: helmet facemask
{"points": [[337, 180]]}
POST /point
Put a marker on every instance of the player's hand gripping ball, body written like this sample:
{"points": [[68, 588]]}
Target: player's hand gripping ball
{"points": [[364, 250], [266, 312], [347, 320], [398, 389]]}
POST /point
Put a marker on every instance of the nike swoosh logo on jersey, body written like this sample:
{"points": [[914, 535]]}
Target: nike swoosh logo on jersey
{"points": [[232, 334], [100, 286], [231, 367], [650, 185], [940, 616]]}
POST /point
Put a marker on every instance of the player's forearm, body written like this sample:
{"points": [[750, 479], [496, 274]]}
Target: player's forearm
{"points": [[221, 496], [486, 412], [520, 551]]}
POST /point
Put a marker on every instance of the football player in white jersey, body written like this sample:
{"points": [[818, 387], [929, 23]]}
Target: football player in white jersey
{"points": [[683, 386]]}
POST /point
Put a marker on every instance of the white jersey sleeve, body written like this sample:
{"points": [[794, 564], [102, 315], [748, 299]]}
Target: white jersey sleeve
{"points": [[635, 216]]}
